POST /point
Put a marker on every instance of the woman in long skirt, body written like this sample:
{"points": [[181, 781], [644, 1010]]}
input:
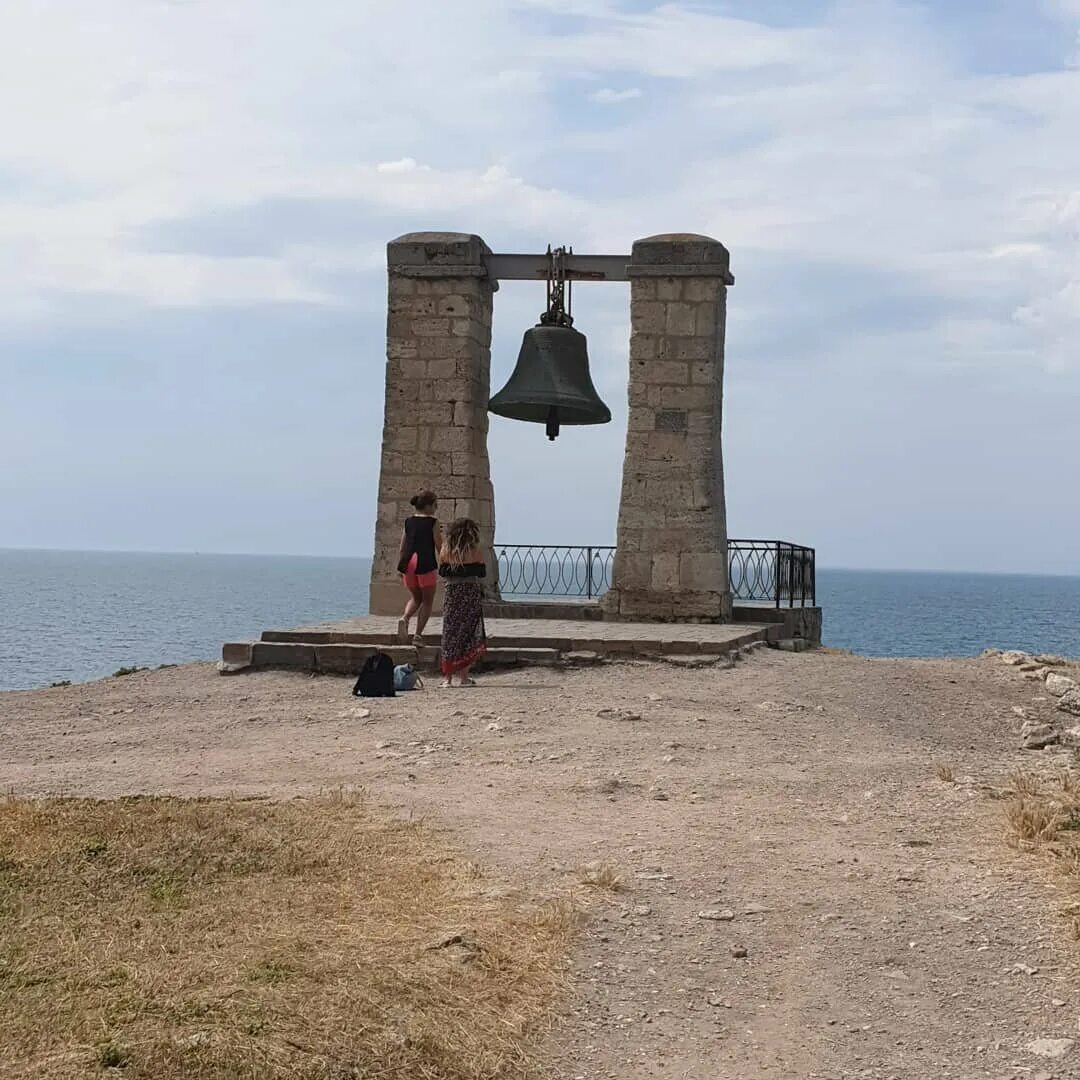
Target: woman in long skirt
{"points": [[462, 567]]}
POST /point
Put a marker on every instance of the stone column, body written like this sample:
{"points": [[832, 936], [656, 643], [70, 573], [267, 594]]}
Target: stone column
{"points": [[671, 557], [438, 358]]}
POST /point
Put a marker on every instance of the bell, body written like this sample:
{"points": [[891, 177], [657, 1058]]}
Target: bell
{"points": [[551, 384]]}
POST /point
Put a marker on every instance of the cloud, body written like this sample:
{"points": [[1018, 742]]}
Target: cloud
{"points": [[607, 96], [899, 194]]}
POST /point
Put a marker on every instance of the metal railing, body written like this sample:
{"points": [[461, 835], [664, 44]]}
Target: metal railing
{"points": [[759, 572], [772, 572], [549, 570]]}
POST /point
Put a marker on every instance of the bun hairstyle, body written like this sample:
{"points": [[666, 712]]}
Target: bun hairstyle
{"points": [[424, 500]]}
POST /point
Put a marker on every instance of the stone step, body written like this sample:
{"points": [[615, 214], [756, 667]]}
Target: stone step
{"points": [[338, 658]]}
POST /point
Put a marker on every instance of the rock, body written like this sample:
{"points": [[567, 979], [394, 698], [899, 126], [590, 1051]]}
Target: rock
{"points": [[1060, 685], [717, 914], [582, 657], [642, 911], [231, 669], [739, 953], [658, 794], [1019, 710], [618, 714], [1050, 1048], [1014, 658], [1038, 736], [989, 654], [493, 726], [1024, 969], [1070, 702], [1050, 660], [1071, 736], [1030, 665], [719, 1003]]}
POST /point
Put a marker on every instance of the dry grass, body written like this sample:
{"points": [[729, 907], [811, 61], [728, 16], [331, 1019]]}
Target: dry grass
{"points": [[945, 773], [601, 876], [212, 939], [1042, 814]]}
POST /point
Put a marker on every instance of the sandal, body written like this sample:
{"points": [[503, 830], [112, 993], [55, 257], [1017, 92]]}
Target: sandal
{"points": [[467, 680], [446, 684], [418, 641]]}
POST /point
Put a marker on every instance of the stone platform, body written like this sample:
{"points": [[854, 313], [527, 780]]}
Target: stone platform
{"points": [[342, 647]]}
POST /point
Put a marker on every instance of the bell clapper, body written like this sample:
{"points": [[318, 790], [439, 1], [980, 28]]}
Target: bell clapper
{"points": [[553, 423]]}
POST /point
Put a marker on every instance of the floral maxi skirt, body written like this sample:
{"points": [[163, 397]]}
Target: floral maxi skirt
{"points": [[463, 637]]}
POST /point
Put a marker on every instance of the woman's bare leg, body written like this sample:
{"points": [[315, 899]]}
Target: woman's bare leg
{"points": [[427, 601], [416, 599]]}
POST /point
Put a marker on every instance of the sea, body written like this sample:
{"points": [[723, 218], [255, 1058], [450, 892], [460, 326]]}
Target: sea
{"points": [[81, 615]]}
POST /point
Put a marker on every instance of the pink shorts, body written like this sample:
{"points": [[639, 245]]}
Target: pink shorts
{"points": [[413, 580]]}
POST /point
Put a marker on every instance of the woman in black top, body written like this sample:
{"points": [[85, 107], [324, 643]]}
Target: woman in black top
{"points": [[420, 540]]}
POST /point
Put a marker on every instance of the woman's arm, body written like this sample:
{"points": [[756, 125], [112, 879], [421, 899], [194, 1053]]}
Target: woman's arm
{"points": [[438, 538], [401, 548]]}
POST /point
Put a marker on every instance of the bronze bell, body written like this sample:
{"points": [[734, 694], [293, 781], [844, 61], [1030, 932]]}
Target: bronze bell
{"points": [[551, 384]]}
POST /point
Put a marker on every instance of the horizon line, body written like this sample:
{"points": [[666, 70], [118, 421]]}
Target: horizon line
{"points": [[192, 553]]}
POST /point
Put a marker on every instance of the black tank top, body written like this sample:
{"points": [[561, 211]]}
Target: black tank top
{"points": [[420, 541]]}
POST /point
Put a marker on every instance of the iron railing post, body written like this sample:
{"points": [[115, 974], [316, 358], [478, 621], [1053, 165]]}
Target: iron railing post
{"points": [[777, 572], [791, 576], [588, 574]]}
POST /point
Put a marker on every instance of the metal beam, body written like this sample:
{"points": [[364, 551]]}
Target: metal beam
{"points": [[578, 267]]}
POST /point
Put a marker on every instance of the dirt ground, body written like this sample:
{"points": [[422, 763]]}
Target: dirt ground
{"points": [[868, 920]]}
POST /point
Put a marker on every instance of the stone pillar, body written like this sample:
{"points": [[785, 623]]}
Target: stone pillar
{"points": [[671, 557], [438, 358]]}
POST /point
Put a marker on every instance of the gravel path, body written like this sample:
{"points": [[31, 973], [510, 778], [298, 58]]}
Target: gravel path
{"points": [[865, 918]]}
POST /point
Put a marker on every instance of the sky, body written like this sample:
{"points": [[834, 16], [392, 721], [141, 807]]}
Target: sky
{"points": [[195, 197]]}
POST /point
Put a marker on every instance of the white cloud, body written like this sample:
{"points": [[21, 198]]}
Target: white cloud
{"points": [[608, 96], [861, 140]]}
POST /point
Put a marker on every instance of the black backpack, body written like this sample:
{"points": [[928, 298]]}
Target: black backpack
{"points": [[376, 677]]}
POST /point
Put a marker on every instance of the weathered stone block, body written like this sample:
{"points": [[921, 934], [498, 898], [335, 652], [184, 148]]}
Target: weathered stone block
{"points": [[704, 372], [237, 653], [671, 419], [687, 397], [457, 305], [667, 371], [707, 320], [448, 348], [703, 571], [698, 290], [669, 288], [679, 249], [400, 438], [643, 347], [404, 349], [436, 326], [681, 319], [283, 654], [412, 305], [664, 575], [686, 348], [452, 439], [648, 316], [634, 570]]}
